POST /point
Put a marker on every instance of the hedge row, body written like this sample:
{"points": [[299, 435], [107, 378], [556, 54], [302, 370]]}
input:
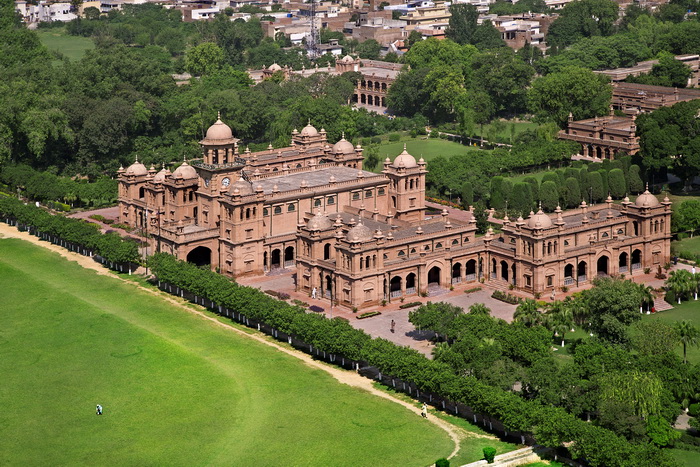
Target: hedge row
{"points": [[86, 235], [552, 427]]}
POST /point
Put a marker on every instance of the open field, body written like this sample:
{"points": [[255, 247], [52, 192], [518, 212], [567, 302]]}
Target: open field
{"points": [[504, 135], [176, 389], [73, 47], [426, 148]]}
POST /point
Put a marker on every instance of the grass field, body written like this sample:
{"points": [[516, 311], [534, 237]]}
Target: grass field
{"points": [[73, 47], [504, 135], [176, 389], [689, 310], [428, 149]]}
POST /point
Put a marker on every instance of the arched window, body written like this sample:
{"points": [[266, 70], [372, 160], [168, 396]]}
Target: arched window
{"points": [[278, 209], [455, 242], [317, 203], [368, 194], [402, 253], [438, 245], [266, 212], [331, 200], [380, 192], [291, 207]]}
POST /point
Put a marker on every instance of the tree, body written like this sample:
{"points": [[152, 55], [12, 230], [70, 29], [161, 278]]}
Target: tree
{"points": [[573, 90], [369, 49], [462, 23], [479, 309], [641, 390], [522, 202], [653, 337], [486, 37], [687, 335], [635, 181], [434, 316], [660, 431], [616, 183], [467, 194], [498, 199], [504, 77], [549, 196], [559, 319], [688, 216], [613, 305], [572, 192], [585, 18], [528, 313], [681, 283], [203, 59]]}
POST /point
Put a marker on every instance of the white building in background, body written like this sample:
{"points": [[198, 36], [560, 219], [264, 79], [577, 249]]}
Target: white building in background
{"points": [[44, 12]]}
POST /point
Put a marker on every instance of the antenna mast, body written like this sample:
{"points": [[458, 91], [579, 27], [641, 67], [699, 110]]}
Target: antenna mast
{"points": [[312, 45]]}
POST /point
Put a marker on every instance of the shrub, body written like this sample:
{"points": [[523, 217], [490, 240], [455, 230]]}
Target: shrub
{"points": [[394, 137], [472, 290], [376, 140], [670, 297], [109, 221], [354, 309], [409, 305], [98, 217], [368, 314], [383, 302], [505, 297], [300, 303], [442, 462], [489, 454], [694, 410], [565, 288]]}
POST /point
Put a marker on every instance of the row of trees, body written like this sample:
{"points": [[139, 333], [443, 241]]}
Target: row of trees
{"points": [[552, 426], [110, 246], [45, 186]]}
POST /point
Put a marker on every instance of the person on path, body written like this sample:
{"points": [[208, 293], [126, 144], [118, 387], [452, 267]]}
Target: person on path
{"points": [[313, 293], [692, 270], [424, 410], [98, 409], [393, 326], [554, 295]]}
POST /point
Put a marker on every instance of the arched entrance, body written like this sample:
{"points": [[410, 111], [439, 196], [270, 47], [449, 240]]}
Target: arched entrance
{"points": [[328, 289], [289, 256], [434, 276], [568, 274], [470, 270], [201, 256], [494, 269], [636, 259], [411, 283], [582, 268], [265, 265], [622, 262], [395, 287], [504, 271], [602, 266], [327, 251], [457, 273], [512, 274], [275, 259]]}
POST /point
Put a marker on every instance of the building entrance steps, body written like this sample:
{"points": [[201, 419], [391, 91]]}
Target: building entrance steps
{"points": [[662, 305]]}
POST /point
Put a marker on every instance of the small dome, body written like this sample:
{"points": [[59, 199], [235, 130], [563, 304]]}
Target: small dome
{"points": [[137, 169], [343, 147], [219, 131], [274, 67], [646, 200], [243, 187], [539, 221], [319, 222], [405, 160], [347, 59], [161, 176], [185, 171], [359, 233], [309, 130]]}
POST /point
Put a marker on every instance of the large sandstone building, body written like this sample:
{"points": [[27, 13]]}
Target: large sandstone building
{"points": [[360, 237]]}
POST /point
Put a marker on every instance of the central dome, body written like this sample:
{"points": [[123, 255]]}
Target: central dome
{"points": [[185, 171], [219, 131], [309, 130], [137, 169], [319, 222], [160, 176], [405, 160], [539, 221], [343, 147], [646, 200], [359, 233]]}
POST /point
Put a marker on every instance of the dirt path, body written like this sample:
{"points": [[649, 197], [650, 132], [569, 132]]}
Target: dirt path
{"points": [[346, 377]]}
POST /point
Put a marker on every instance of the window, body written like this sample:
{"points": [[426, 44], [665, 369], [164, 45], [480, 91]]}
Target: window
{"points": [[413, 250], [368, 194], [438, 245], [278, 210], [426, 248], [455, 242], [317, 203], [386, 256], [550, 281], [402, 253], [355, 196], [605, 235], [266, 212], [249, 233], [291, 208], [412, 202], [620, 231], [528, 281], [368, 295], [380, 192], [331, 200], [228, 234], [566, 243]]}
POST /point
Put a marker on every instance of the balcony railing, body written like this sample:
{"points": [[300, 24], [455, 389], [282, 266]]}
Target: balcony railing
{"points": [[395, 293], [582, 278], [636, 266], [289, 264], [624, 268], [410, 290], [456, 280], [470, 277], [569, 280]]}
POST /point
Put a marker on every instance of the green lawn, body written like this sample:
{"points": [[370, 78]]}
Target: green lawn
{"points": [[426, 148], [687, 244], [73, 47], [176, 389], [689, 310], [686, 458], [504, 135]]}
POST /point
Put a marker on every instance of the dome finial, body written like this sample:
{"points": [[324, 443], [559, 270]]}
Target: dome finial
{"points": [[184, 157], [343, 135], [137, 158], [309, 122], [404, 146], [218, 114], [540, 205], [647, 186]]}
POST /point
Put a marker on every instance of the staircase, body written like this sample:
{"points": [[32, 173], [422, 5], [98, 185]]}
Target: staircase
{"points": [[662, 305]]}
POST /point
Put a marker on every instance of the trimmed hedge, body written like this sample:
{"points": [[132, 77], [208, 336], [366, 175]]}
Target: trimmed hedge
{"points": [[551, 426], [409, 305], [369, 314]]}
